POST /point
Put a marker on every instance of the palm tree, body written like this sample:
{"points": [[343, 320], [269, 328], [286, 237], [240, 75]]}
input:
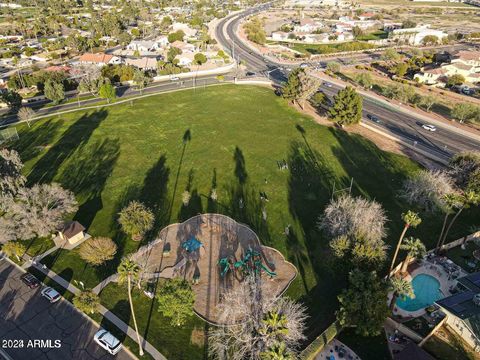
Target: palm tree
{"points": [[415, 249], [274, 325], [450, 201], [128, 271], [401, 288], [277, 351], [412, 219], [465, 200]]}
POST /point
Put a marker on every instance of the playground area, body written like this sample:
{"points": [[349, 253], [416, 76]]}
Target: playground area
{"points": [[215, 253]]}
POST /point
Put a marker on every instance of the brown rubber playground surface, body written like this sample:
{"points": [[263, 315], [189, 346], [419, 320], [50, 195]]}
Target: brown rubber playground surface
{"points": [[221, 237]]}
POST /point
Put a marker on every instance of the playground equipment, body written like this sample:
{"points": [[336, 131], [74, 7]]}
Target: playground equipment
{"points": [[191, 244], [251, 263]]}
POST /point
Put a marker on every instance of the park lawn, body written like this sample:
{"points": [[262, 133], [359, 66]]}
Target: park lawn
{"points": [[374, 35], [184, 342], [231, 136], [314, 49]]}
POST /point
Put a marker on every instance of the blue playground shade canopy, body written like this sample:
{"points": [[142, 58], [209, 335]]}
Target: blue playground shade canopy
{"points": [[192, 244]]}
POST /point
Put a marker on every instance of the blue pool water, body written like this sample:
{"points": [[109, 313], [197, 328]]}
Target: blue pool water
{"points": [[427, 291]]}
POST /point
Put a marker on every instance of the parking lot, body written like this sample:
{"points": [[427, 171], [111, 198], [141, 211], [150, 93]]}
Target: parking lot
{"points": [[33, 328]]}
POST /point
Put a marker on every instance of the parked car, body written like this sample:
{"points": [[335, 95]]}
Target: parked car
{"points": [[51, 294], [429, 127], [174, 78], [30, 280], [107, 341], [373, 118], [327, 84], [303, 65]]}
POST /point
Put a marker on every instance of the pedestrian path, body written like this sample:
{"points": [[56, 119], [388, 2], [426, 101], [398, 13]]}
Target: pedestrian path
{"points": [[104, 311]]}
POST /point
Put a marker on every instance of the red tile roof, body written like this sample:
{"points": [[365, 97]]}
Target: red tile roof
{"points": [[99, 58]]}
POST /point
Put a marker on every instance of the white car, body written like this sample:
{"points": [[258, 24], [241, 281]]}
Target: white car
{"points": [[175, 78], [51, 294], [429, 127], [107, 341]]}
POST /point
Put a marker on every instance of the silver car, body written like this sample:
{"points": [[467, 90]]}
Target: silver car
{"points": [[107, 341], [51, 294]]}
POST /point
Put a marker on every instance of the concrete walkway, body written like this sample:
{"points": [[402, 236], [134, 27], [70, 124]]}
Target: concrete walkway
{"points": [[104, 283], [105, 312]]}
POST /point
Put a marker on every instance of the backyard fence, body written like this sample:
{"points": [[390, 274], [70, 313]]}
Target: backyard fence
{"points": [[317, 345]]}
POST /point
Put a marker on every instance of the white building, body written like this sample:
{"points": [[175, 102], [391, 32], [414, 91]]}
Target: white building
{"points": [[415, 36], [279, 36]]}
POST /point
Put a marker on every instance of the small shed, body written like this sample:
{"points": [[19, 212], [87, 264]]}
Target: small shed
{"points": [[72, 234]]}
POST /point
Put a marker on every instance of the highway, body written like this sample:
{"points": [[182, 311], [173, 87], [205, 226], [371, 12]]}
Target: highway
{"points": [[443, 143]]}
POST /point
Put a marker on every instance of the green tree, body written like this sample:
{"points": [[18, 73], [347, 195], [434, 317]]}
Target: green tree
{"points": [[255, 32], [176, 36], [140, 79], [415, 250], [401, 69], [408, 24], [199, 59], [357, 31], [430, 40], [363, 304], [291, 89], [136, 219], [319, 99], [175, 300], [98, 250], [87, 301], [172, 54], [410, 219], [54, 91], [128, 271], [12, 248], [278, 351], [364, 80], [455, 79], [12, 99], [401, 288], [427, 102], [464, 111], [347, 107], [391, 54], [333, 66], [107, 91]]}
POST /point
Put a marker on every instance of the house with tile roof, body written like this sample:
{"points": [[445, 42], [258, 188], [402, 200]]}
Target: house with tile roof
{"points": [[100, 59]]}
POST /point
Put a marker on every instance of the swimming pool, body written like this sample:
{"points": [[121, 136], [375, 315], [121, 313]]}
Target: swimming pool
{"points": [[427, 291]]}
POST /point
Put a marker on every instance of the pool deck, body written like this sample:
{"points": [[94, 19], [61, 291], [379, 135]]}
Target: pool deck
{"points": [[433, 270]]}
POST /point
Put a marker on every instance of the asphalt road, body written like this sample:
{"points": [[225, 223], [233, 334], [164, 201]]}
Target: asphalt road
{"points": [[407, 127], [26, 316]]}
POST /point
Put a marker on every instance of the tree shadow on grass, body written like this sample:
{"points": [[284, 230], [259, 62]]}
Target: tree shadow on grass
{"points": [[86, 173], [76, 135], [122, 310], [310, 186], [32, 141], [154, 195]]}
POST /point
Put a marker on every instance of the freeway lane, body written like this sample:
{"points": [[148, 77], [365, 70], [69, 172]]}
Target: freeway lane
{"points": [[409, 128], [406, 127]]}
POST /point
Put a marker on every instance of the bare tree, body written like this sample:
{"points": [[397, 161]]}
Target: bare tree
{"points": [[428, 189], [11, 178], [26, 114], [39, 210], [255, 322], [89, 78], [348, 215], [308, 86]]}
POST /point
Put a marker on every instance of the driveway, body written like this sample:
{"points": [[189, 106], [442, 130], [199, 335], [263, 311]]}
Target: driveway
{"points": [[26, 316]]}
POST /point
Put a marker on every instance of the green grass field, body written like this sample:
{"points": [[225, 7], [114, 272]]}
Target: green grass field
{"points": [[231, 138], [315, 49]]}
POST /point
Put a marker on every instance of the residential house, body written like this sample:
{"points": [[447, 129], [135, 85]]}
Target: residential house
{"points": [[465, 63], [185, 47], [463, 309], [184, 61], [144, 63], [99, 59], [189, 32], [142, 46], [279, 36], [307, 25], [415, 36]]}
